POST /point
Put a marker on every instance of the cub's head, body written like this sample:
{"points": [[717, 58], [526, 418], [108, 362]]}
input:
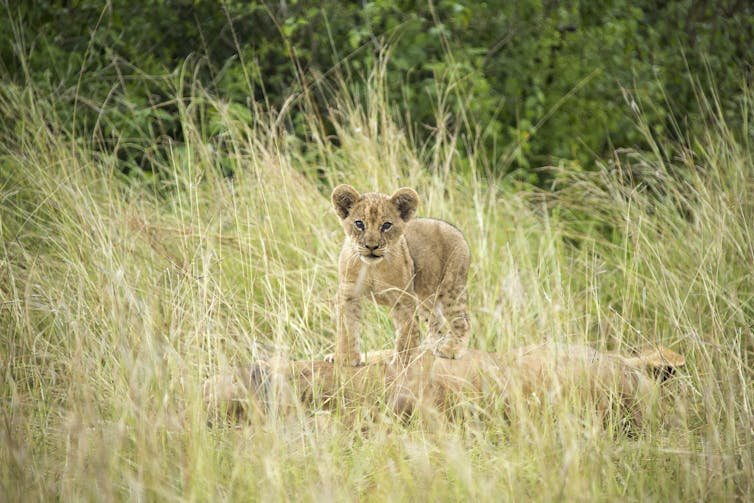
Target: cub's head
{"points": [[374, 222]]}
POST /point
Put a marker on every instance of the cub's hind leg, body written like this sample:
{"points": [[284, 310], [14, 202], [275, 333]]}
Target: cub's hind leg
{"points": [[455, 338], [450, 311], [431, 316]]}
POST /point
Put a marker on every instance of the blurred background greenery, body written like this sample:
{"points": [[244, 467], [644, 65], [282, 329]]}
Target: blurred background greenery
{"points": [[524, 84]]}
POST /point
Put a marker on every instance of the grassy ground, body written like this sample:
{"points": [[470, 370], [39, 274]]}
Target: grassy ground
{"points": [[118, 296]]}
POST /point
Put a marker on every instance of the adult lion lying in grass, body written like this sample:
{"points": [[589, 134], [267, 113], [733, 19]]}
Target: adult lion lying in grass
{"points": [[438, 387]]}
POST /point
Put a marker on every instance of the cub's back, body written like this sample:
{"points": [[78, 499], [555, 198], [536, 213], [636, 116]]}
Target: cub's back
{"points": [[438, 250]]}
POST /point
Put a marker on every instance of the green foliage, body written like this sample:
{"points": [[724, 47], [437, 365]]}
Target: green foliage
{"points": [[532, 82]]}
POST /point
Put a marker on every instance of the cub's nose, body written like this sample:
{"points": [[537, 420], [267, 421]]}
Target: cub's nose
{"points": [[372, 247]]}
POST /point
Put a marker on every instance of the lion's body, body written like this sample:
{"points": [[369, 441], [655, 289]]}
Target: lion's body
{"points": [[525, 377], [417, 267]]}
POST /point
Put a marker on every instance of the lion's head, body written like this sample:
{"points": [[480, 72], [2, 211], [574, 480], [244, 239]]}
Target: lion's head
{"points": [[373, 221]]}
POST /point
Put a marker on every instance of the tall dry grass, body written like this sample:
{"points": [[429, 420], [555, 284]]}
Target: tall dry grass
{"points": [[118, 296]]}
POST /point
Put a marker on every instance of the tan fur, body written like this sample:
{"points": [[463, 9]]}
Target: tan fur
{"points": [[537, 373], [416, 266], [548, 372]]}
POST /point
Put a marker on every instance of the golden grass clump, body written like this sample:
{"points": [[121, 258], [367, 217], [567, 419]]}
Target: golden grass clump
{"points": [[119, 296]]}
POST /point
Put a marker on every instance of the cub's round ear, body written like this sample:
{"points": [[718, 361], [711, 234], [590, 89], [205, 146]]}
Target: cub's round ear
{"points": [[405, 200], [343, 199]]}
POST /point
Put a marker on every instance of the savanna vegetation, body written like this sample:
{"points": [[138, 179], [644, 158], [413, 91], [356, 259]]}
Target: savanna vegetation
{"points": [[165, 168]]}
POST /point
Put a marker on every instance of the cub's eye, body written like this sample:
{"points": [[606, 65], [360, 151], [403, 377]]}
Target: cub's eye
{"points": [[359, 225], [386, 226]]}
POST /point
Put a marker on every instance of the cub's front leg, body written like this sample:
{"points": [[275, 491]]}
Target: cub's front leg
{"points": [[349, 324], [408, 336]]}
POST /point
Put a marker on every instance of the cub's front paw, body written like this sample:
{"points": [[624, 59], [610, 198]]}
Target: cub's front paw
{"points": [[450, 350], [354, 360], [404, 358]]}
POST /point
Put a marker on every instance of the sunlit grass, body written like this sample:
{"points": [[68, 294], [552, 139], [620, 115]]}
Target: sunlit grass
{"points": [[118, 296]]}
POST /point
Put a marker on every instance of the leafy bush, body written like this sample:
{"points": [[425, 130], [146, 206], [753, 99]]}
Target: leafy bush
{"points": [[531, 82]]}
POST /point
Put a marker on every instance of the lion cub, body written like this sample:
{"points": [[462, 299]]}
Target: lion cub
{"points": [[415, 266]]}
